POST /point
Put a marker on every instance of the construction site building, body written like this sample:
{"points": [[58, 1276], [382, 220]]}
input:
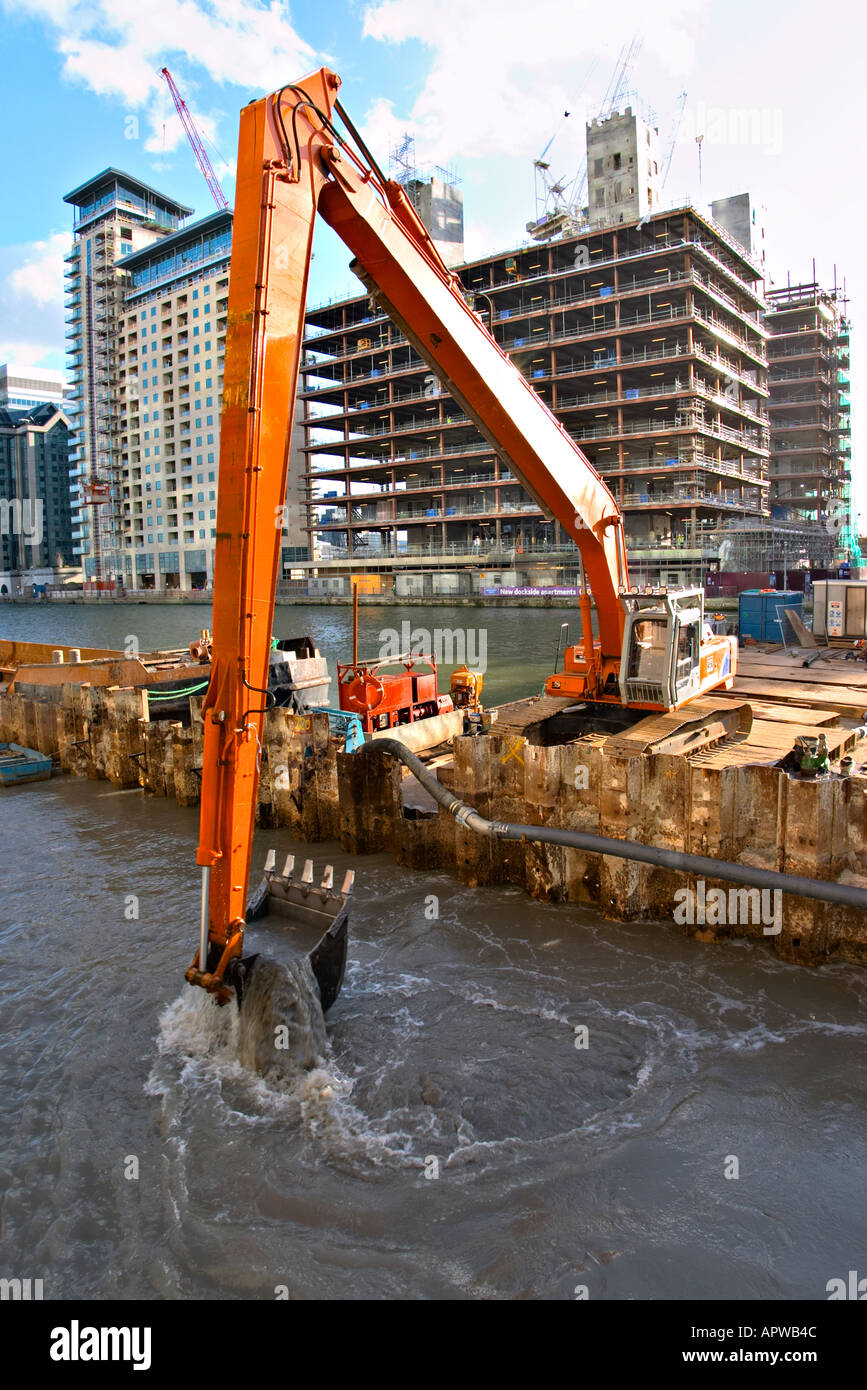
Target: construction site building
{"points": [[810, 419], [115, 215], [645, 338]]}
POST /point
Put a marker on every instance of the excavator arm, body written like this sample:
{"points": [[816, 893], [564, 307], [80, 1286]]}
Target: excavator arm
{"points": [[292, 161]]}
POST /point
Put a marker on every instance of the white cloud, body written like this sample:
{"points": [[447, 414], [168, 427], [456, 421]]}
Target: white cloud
{"points": [[117, 47], [502, 74], [40, 276]]}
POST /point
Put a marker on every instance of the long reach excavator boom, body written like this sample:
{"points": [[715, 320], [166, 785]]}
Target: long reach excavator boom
{"points": [[653, 650]]}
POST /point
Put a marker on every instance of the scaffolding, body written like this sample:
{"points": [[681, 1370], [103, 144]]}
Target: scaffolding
{"points": [[746, 545], [412, 176]]}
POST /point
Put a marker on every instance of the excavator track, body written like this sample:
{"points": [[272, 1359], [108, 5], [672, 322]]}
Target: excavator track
{"points": [[688, 730]]}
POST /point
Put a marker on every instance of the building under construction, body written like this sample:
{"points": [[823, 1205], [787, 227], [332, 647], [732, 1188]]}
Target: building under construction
{"points": [[646, 339], [811, 524]]}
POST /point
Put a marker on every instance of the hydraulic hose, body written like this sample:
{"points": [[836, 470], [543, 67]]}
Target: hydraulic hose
{"points": [[825, 890]]}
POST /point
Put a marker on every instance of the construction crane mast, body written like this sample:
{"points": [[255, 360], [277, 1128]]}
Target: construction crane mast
{"points": [[195, 140]]}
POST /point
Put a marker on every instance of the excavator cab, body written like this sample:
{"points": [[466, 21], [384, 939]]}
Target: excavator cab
{"points": [[670, 654]]}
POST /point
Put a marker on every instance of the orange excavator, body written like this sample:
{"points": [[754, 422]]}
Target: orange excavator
{"points": [[653, 650]]}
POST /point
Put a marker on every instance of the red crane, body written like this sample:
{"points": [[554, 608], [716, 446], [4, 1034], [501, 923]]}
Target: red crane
{"points": [[196, 141]]}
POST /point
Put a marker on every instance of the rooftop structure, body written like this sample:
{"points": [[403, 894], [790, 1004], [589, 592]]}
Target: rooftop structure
{"points": [[22, 388]]}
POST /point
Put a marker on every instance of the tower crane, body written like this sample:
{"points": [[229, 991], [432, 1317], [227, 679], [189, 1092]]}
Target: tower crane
{"points": [[195, 140]]}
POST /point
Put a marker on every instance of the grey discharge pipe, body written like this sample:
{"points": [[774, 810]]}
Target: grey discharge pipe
{"points": [[698, 864]]}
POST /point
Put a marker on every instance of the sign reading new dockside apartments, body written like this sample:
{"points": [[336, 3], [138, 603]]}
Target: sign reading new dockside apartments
{"points": [[533, 591]]}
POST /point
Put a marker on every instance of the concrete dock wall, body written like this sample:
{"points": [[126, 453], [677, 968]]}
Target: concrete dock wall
{"points": [[755, 815]]}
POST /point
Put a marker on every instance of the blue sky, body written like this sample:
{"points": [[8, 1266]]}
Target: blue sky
{"points": [[776, 89]]}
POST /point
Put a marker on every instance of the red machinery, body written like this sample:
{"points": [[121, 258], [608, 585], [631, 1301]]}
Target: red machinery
{"points": [[385, 699]]}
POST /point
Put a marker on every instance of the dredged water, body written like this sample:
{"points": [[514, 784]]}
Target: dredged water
{"points": [[449, 1140]]}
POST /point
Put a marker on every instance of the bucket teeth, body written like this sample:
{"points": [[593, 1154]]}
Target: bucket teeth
{"points": [[306, 880]]}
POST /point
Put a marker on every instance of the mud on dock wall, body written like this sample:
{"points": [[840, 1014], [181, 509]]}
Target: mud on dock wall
{"points": [[100, 732], [755, 815], [752, 814]]}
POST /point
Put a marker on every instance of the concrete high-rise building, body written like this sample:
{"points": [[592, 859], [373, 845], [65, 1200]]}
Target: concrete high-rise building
{"points": [[35, 517], [645, 338], [170, 348], [623, 169], [22, 388], [115, 215]]}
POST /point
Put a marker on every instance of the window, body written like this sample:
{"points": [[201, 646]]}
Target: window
{"points": [[600, 197], [616, 160], [650, 197], [598, 165]]}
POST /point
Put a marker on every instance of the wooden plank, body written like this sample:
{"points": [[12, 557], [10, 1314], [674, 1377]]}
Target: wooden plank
{"points": [[819, 674], [790, 714], [816, 697]]}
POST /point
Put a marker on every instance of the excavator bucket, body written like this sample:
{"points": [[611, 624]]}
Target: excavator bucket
{"points": [[290, 916]]}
